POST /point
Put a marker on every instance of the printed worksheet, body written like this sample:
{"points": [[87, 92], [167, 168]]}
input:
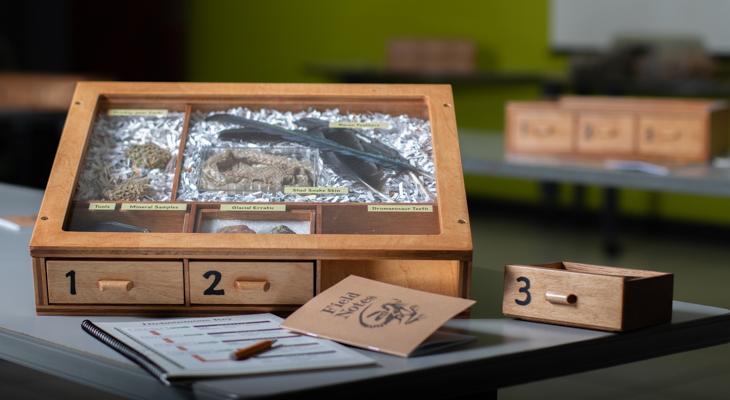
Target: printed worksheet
{"points": [[199, 347]]}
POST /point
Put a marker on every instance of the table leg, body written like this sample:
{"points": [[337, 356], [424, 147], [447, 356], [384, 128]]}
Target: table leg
{"points": [[549, 191], [579, 202], [609, 222]]}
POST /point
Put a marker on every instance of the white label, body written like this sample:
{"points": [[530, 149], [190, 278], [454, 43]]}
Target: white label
{"points": [[253, 207], [102, 206], [400, 208], [130, 112], [360, 125], [315, 190], [154, 207]]}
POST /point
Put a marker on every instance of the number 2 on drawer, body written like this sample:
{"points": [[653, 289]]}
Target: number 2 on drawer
{"points": [[211, 290]]}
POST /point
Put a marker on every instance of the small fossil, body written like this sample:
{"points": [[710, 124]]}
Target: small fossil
{"points": [[236, 229], [148, 155], [282, 229], [254, 170], [132, 189]]}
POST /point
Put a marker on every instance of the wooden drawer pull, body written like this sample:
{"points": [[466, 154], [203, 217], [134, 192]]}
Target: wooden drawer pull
{"points": [[115, 284], [559, 298], [541, 130], [252, 285], [600, 132], [667, 135]]}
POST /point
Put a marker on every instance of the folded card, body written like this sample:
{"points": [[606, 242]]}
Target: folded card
{"points": [[375, 315]]}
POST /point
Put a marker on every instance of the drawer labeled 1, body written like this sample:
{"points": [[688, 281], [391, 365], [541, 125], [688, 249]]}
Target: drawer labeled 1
{"points": [[114, 282], [251, 282]]}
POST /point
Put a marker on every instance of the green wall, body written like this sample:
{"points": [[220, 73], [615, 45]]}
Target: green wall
{"points": [[274, 40], [279, 41]]}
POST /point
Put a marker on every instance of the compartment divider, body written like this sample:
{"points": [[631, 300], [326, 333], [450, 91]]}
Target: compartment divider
{"points": [[181, 152], [318, 219], [190, 218], [186, 280]]}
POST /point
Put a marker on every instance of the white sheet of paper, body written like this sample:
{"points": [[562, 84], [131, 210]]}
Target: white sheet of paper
{"points": [[199, 347]]}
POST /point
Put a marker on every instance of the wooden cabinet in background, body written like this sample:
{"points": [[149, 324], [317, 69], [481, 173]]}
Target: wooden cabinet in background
{"points": [[667, 131]]}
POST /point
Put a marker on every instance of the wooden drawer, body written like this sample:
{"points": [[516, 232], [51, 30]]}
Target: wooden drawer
{"points": [[605, 133], [115, 282], [251, 282], [541, 131], [591, 296], [672, 137]]}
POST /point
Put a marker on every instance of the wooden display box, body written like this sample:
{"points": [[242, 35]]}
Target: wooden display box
{"points": [[669, 131], [185, 198], [588, 296]]}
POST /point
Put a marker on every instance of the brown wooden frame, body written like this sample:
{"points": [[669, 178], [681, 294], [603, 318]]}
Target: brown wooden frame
{"points": [[452, 244]]}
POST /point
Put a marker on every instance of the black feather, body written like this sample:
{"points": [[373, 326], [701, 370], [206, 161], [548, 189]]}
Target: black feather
{"points": [[344, 150], [381, 155], [347, 166]]}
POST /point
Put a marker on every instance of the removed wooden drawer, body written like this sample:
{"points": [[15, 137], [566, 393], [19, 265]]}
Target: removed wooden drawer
{"points": [[589, 296]]}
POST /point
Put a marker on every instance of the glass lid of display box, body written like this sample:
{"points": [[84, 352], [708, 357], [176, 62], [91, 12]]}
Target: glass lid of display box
{"points": [[266, 166]]}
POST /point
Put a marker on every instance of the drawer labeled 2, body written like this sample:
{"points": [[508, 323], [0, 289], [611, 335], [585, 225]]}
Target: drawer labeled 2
{"points": [[251, 282], [114, 282]]}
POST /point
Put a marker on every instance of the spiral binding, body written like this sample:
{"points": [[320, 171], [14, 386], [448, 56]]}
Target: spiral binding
{"points": [[121, 348]]}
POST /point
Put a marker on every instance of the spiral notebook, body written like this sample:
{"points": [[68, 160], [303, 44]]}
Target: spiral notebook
{"points": [[189, 348]]}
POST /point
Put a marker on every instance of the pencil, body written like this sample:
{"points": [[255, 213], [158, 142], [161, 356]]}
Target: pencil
{"points": [[252, 350]]}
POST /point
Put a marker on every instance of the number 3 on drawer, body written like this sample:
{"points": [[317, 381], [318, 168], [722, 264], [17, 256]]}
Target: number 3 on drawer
{"points": [[526, 290]]}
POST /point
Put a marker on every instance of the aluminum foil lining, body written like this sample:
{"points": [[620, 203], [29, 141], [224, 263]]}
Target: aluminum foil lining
{"points": [[410, 136], [106, 164]]}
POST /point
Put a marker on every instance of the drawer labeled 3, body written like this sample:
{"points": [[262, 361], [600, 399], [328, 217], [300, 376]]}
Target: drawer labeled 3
{"points": [[590, 296], [114, 282], [251, 282]]}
